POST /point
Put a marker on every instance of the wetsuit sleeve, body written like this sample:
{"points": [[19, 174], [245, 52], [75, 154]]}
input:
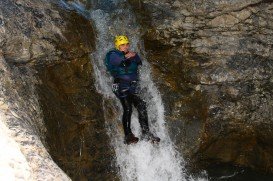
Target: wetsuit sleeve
{"points": [[115, 59], [138, 60]]}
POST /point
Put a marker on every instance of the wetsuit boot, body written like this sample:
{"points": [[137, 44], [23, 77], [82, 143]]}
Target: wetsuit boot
{"points": [[148, 136], [130, 138]]}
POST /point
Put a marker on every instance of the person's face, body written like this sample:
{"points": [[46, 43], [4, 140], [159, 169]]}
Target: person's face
{"points": [[124, 47]]}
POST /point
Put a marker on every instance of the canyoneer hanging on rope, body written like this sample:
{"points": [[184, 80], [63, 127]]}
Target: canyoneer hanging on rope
{"points": [[123, 66]]}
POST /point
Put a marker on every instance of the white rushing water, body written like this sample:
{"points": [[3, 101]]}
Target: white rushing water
{"points": [[142, 161]]}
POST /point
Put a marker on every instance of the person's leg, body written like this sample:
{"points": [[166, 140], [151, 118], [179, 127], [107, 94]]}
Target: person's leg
{"points": [[142, 113], [127, 113], [143, 119], [126, 120]]}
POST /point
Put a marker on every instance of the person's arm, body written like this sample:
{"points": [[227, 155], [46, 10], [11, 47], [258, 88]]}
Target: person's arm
{"points": [[134, 56], [115, 59], [138, 60]]}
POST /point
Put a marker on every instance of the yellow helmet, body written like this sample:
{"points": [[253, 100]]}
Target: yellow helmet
{"points": [[119, 40]]}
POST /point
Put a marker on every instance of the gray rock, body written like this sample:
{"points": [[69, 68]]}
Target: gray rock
{"points": [[213, 63], [22, 123], [49, 99]]}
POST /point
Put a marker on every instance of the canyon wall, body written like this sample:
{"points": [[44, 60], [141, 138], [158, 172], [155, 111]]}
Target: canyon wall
{"points": [[213, 62]]}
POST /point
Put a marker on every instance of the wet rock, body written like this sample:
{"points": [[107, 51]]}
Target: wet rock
{"points": [[49, 45], [213, 63], [76, 130], [24, 155]]}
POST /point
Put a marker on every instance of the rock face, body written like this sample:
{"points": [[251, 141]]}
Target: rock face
{"points": [[213, 62], [23, 155], [45, 48]]}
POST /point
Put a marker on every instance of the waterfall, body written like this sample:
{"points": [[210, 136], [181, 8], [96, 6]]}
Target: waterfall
{"points": [[142, 161]]}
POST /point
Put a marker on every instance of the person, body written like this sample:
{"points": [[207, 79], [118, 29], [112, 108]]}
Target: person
{"points": [[123, 66]]}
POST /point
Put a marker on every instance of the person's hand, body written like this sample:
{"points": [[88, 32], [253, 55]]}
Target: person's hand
{"points": [[130, 55]]}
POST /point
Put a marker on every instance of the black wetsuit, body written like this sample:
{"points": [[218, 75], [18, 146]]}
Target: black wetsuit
{"points": [[126, 88]]}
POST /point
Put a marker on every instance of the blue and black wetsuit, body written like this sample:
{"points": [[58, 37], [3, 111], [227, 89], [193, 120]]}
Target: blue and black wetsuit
{"points": [[126, 87]]}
